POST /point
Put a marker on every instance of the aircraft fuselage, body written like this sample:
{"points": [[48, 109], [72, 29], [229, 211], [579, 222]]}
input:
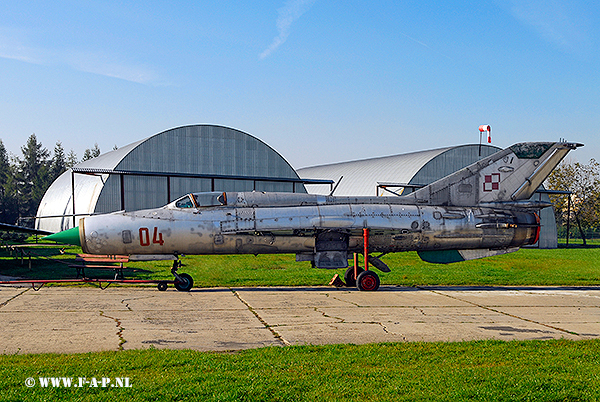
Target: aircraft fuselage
{"points": [[239, 228]]}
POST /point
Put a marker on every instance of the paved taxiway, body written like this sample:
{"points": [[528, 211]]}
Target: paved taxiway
{"points": [[85, 319]]}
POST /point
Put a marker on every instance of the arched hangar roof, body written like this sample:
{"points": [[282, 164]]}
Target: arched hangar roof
{"points": [[361, 177], [214, 158]]}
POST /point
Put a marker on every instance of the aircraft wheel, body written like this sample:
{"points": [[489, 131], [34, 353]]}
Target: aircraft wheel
{"points": [[368, 281], [185, 283], [349, 276], [162, 286]]}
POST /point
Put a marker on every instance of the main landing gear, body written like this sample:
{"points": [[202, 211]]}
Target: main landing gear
{"points": [[363, 279]]}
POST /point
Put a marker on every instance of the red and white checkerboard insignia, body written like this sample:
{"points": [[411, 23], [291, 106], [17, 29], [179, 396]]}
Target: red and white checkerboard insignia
{"points": [[491, 182]]}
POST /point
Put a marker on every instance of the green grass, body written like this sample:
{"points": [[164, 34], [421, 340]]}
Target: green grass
{"points": [[572, 266], [484, 370]]}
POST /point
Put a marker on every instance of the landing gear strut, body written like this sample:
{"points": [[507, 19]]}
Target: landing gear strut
{"points": [[363, 279], [183, 282]]}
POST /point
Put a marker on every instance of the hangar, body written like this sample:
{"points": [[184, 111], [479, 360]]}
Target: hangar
{"points": [[400, 174], [157, 170]]}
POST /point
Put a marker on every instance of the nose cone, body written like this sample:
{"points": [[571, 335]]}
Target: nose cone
{"points": [[69, 236]]}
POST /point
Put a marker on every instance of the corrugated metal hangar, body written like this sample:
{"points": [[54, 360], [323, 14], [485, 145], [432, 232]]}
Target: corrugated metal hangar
{"points": [[400, 174], [417, 169], [159, 169]]}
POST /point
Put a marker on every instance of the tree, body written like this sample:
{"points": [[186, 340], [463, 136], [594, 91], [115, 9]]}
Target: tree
{"points": [[58, 164], [23, 182], [32, 176], [584, 182], [4, 167], [8, 202], [91, 153], [71, 159]]}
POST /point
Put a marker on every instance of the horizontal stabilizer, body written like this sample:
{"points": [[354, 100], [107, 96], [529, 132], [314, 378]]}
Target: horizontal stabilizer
{"points": [[525, 205], [450, 256]]}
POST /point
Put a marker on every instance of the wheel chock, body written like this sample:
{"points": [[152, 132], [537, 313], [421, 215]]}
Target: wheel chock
{"points": [[337, 281]]}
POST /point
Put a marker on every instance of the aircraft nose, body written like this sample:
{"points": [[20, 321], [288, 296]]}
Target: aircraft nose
{"points": [[69, 236]]}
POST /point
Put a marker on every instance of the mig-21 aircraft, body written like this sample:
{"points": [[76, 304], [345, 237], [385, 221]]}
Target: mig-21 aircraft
{"points": [[479, 211]]}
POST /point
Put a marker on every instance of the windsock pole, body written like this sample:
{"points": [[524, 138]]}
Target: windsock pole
{"points": [[482, 128]]}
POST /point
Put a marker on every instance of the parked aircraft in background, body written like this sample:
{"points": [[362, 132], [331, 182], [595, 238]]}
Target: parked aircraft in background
{"points": [[5, 227], [479, 211]]}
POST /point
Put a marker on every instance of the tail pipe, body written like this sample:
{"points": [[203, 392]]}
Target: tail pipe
{"points": [[528, 229]]}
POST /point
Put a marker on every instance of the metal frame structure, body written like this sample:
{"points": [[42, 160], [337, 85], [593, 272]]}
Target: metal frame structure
{"points": [[213, 177]]}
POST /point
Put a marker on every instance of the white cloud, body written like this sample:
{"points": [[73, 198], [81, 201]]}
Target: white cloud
{"points": [[90, 62], [288, 14]]}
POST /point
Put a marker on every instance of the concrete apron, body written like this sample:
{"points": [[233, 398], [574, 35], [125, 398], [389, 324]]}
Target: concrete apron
{"points": [[74, 320]]}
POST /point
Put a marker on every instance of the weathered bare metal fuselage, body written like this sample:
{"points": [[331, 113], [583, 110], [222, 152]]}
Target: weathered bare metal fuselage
{"points": [[480, 210]]}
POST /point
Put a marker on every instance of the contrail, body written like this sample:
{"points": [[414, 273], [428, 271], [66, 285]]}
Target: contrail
{"points": [[424, 44], [288, 14], [414, 40]]}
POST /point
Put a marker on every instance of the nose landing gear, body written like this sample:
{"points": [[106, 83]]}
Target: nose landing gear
{"points": [[183, 282]]}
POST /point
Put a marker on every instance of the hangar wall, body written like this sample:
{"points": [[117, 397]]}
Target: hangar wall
{"points": [[226, 158], [361, 177]]}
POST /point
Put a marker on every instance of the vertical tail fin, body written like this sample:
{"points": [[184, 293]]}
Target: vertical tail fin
{"points": [[511, 175]]}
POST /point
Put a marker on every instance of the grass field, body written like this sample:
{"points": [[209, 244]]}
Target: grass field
{"points": [[484, 371], [557, 370]]}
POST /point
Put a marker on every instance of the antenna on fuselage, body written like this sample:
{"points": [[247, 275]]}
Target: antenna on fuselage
{"points": [[336, 186]]}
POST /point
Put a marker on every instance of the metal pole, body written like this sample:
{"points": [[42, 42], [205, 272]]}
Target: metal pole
{"points": [[73, 194], [568, 217], [122, 180], [168, 189], [366, 241]]}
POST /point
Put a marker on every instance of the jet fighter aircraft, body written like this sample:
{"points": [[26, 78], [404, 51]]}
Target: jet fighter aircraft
{"points": [[479, 211]]}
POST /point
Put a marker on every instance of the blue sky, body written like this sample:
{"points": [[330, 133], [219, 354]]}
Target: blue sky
{"points": [[320, 81]]}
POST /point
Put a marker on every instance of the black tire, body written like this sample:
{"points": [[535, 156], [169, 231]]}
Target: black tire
{"points": [[349, 276], [185, 283], [367, 281], [162, 286]]}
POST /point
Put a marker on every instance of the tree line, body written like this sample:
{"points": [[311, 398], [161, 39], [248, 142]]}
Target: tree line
{"points": [[24, 179], [582, 208]]}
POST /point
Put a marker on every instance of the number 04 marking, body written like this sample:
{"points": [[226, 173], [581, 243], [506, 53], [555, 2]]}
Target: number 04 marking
{"points": [[157, 237]]}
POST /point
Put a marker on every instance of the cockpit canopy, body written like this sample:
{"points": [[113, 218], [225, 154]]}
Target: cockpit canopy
{"points": [[202, 200]]}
